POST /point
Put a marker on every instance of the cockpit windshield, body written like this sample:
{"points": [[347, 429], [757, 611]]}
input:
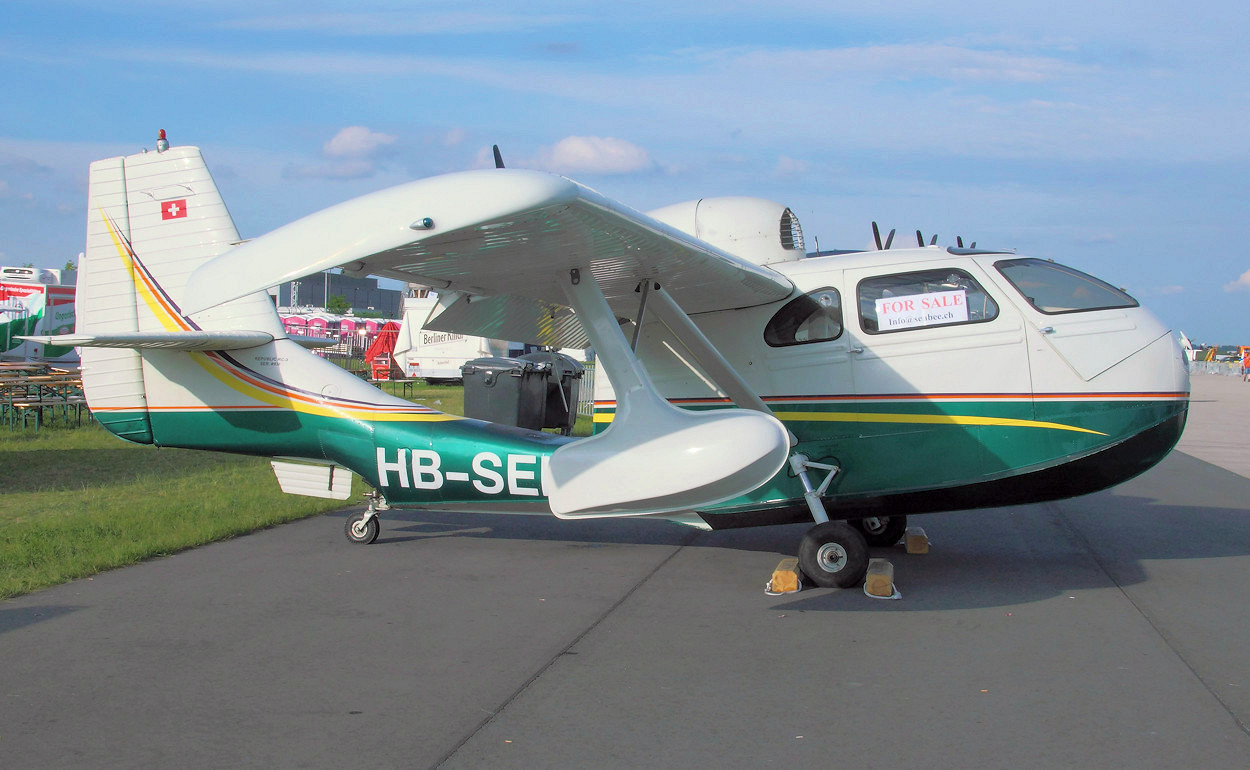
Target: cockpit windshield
{"points": [[1054, 289]]}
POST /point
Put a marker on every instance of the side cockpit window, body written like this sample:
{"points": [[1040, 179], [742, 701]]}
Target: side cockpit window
{"points": [[921, 300], [813, 317], [1055, 289]]}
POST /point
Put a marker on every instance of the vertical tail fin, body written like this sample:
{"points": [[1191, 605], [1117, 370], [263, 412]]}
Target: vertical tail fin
{"points": [[152, 219]]}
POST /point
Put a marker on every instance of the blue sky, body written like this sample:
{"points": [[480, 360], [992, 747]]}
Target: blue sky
{"points": [[1112, 139]]}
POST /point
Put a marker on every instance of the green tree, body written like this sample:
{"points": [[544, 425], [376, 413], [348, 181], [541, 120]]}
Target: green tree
{"points": [[70, 264], [337, 304]]}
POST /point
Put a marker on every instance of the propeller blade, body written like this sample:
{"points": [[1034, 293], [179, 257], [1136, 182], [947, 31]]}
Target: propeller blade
{"points": [[889, 238], [876, 235], [498, 156]]}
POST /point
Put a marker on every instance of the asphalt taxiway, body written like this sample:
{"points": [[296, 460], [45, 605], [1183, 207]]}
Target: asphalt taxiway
{"points": [[1106, 631]]}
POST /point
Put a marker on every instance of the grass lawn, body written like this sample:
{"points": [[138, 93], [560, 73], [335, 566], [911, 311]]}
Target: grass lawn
{"points": [[76, 501]]}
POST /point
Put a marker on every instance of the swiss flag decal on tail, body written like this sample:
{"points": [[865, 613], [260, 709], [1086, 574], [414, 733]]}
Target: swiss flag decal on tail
{"points": [[174, 209]]}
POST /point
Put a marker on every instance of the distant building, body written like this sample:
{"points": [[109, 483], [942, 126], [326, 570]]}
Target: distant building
{"points": [[362, 294]]}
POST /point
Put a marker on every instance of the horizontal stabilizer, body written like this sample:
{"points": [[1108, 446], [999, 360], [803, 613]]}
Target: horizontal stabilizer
{"points": [[189, 340]]}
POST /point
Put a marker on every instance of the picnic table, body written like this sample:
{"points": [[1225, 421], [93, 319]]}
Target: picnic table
{"points": [[32, 391]]}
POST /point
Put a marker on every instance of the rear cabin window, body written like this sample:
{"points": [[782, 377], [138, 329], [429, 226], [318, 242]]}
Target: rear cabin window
{"points": [[922, 300], [813, 317], [1055, 289]]}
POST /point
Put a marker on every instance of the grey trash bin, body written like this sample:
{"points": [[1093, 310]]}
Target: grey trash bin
{"points": [[511, 391], [564, 376]]}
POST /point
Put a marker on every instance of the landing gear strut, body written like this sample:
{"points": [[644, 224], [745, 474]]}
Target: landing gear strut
{"points": [[833, 554]]}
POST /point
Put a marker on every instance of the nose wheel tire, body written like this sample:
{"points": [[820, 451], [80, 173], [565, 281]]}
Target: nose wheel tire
{"points": [[834, 555], [881, 531], [362, 527]]}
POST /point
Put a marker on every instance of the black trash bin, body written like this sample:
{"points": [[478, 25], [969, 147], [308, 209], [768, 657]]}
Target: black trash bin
{"points": [[564, 376], [511, 391]]}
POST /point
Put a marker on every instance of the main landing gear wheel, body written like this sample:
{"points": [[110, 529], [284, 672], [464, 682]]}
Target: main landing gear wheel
{"points": [[362, 527], [881, 531], [833, 555]]}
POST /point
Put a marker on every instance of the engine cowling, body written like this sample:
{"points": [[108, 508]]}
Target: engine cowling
{"points": [[758, 230]]}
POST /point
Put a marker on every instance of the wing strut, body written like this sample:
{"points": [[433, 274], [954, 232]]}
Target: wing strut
{"points": [[654, 457], [706, 354]]}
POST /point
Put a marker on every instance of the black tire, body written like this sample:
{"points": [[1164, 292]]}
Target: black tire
{"points": [[361, 534], [881, 531], [834, 555]]}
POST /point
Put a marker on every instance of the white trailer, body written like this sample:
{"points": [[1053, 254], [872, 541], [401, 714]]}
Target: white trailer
{"points": [[433, 355]]}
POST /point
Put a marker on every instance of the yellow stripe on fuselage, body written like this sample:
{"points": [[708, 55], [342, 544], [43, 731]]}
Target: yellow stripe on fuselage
{"points": [[905, 419], [326, 409]]}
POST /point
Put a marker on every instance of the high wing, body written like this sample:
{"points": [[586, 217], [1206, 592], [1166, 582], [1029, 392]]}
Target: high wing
{"points": [[519, 249], [500, 237]]}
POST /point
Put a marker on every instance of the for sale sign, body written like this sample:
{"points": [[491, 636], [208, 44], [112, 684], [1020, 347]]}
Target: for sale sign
{"points": [[915, 310]]}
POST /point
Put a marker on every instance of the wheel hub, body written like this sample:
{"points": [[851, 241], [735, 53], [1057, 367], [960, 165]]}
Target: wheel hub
{"points": [[358, 528], [831, 557]]}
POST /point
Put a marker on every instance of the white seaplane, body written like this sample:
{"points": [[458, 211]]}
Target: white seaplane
{"points": [[750, 383]]}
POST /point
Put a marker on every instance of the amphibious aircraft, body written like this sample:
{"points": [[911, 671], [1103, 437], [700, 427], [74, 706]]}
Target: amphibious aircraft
{"points": [[746, 384]]}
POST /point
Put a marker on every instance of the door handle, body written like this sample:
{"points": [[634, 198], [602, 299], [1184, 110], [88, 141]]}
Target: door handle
{"points": [[1047, 330], [857, 349]]}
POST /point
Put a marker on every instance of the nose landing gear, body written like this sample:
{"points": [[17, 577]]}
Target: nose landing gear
{"points": [[881, 531]]}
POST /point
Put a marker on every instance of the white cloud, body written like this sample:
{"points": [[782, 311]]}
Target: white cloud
{"points": [[1241, 284], [346, 169], [351, 154], [787, 166], [592, 155], [1161, 291], [356, 142], [455, 137], [906, 61], [400, 23]]}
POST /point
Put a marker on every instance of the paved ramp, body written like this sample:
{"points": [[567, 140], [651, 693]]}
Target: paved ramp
{"points": [[1106, 631]]}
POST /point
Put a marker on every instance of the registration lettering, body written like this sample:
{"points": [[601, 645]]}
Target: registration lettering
{"points": [[489, 473]]}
